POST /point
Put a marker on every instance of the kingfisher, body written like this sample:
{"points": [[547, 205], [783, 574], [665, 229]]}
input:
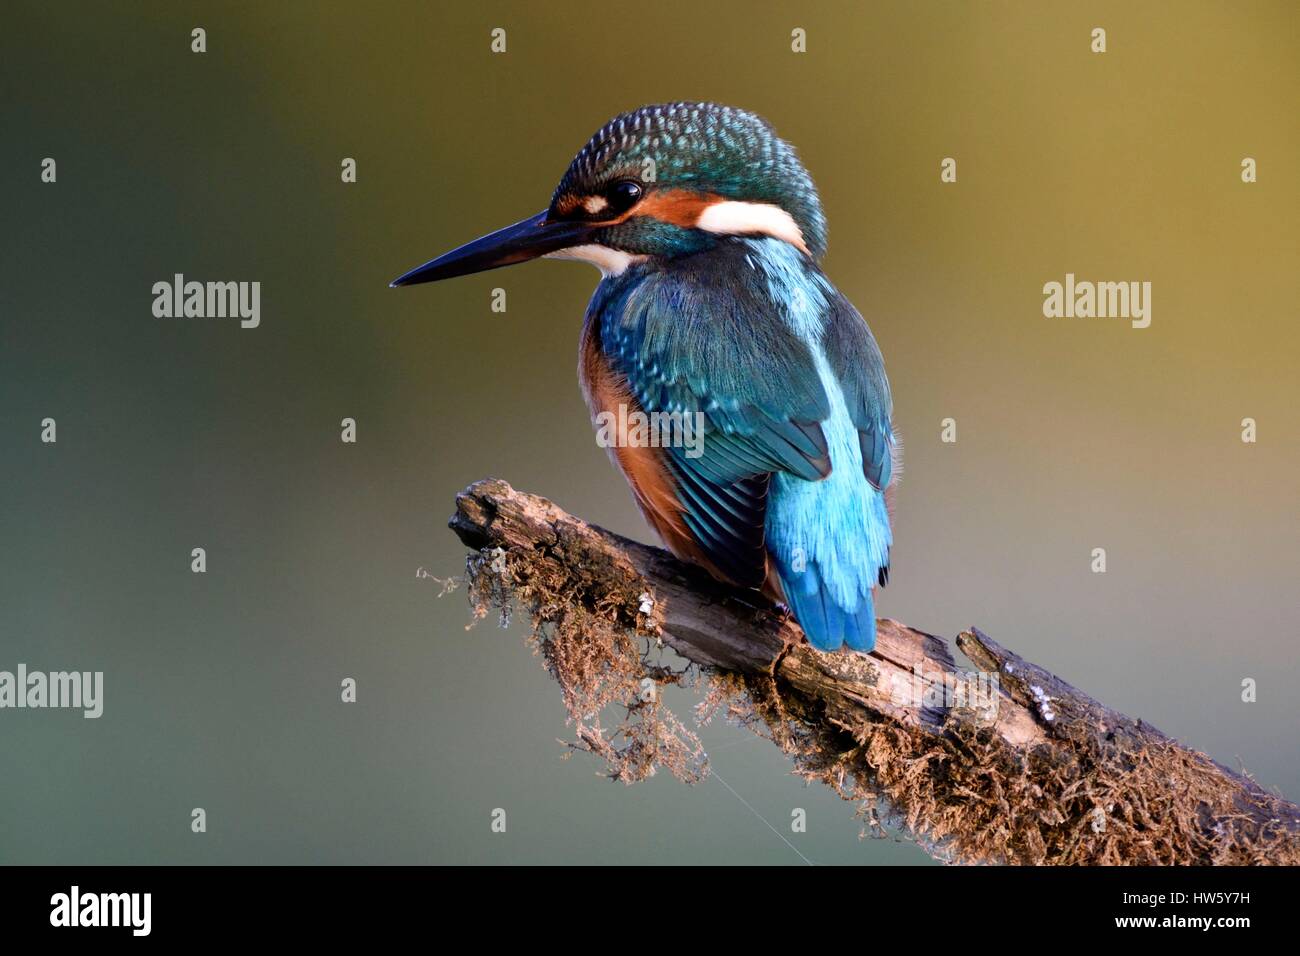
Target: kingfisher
{"points": [[708, 233]]}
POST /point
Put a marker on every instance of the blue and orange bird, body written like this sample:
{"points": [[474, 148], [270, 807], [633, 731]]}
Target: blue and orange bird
{"points": [[707, 231]]}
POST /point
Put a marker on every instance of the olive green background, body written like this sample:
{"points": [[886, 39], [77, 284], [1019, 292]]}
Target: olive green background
{"points": [[222, 690]]}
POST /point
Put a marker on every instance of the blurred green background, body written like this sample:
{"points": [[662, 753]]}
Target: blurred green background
{"points": [[222, 690]]}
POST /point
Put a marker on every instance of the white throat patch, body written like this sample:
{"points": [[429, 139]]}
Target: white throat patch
{"points": [[750, 218], [610, 262]]}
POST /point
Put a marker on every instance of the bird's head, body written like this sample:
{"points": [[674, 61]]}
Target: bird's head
{"points": [[660, 181]]}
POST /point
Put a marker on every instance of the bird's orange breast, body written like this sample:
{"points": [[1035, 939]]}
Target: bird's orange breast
{"points": [[644, 467]]}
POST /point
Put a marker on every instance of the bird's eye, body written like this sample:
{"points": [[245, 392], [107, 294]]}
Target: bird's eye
{"points": [[623, 195]]}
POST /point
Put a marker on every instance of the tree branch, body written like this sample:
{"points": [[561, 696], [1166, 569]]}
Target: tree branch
{"points": [[1007, 764]]}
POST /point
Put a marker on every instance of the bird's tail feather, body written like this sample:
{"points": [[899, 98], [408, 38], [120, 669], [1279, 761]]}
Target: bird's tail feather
{"points": [[828, 625]]}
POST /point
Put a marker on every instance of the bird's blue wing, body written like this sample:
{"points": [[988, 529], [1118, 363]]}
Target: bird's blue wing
{"points": [[859, 368], [708, 337]]}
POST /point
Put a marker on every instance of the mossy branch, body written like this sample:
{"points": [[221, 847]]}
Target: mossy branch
{"points": [[1007, 764]]}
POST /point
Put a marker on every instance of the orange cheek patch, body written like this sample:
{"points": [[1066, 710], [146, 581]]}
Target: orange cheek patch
{"points": [[679, 207]]}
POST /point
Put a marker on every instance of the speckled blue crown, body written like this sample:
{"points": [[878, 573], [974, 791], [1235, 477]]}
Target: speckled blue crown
{"points": [[704, 147]]}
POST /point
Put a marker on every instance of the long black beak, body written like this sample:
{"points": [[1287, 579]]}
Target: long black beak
{"points": [[524, 240]]}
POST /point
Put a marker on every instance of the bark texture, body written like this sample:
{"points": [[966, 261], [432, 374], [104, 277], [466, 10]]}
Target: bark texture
{"points": [[1000, 763]]}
